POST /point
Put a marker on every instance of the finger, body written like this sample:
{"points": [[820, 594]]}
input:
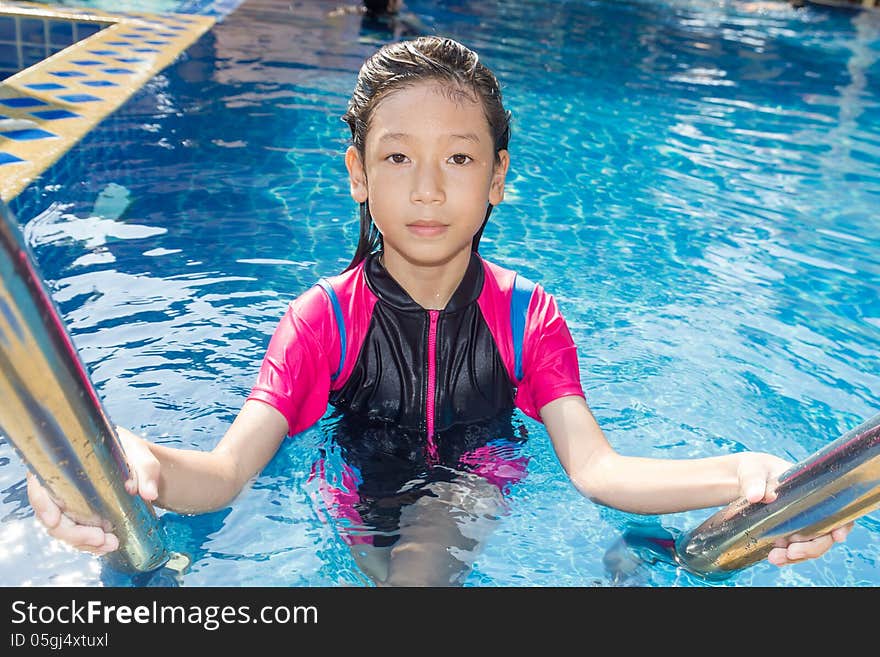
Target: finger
{"points": [[753, 474], [131, 484], [110, 544], [45, 509], [801, 550], [754, 485], [77, 535], [783, 557], [84, 537], [778, 556], [143, 465], [839, 535], [149, 478]]}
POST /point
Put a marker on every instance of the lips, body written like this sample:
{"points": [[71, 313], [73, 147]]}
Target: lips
{"points": [[427, 228]]}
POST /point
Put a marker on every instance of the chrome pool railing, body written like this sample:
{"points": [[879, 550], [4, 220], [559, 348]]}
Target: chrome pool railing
{"points": [[52, 415], [833, 486]]}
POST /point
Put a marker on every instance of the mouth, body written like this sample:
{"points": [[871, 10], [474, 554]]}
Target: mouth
{"points": [[427, 228]]}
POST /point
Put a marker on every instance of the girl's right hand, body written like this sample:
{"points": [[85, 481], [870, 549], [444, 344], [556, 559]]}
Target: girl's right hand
{"points": [[143, 480]]}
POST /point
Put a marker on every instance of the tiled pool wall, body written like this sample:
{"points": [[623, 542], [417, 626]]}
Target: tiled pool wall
{"points": [[28, 40], [72, 68]]}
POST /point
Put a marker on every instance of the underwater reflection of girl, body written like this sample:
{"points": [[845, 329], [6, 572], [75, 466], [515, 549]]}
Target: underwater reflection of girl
{"points": [[381, 18], [382, 7], [384, 491]]}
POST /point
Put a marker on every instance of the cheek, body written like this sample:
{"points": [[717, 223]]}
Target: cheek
{"points": [[384, 202], [386, 183], [471, 183]]}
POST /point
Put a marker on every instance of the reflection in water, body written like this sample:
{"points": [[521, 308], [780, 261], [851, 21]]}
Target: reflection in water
{"points": [[381, 20]]}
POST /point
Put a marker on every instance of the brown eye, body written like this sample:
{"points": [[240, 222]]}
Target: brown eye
{"points": [[397, 158], [460, 158]]}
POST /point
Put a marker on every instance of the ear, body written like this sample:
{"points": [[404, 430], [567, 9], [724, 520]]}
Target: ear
{"points": [[357, 175], [499, 174]]}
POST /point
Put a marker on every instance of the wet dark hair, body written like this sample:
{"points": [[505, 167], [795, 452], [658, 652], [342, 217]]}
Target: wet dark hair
{"points": [[398, 65]]}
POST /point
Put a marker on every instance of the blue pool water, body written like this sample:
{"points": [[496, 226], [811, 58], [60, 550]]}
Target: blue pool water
{"points": [[697, 183]]}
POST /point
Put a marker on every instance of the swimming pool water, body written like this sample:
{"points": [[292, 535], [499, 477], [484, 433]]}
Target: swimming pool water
{"points": [[697, 183]]}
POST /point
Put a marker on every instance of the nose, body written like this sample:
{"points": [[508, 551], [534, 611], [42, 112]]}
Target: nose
{"points": [[428, 185]]}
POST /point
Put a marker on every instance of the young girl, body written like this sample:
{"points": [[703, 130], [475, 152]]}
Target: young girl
{"points": [[425, 349]]}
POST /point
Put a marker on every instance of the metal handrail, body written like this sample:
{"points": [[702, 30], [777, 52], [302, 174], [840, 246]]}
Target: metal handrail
{"points": [[51, 413]]}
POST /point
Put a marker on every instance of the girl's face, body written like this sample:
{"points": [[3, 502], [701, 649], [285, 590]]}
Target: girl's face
{"points": [[429, 173]]}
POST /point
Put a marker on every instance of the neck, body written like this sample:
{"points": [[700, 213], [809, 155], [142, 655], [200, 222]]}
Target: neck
{"points": [[431, 286]]}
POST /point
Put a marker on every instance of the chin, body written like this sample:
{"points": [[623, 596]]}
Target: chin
{"points": [[431, 256]]}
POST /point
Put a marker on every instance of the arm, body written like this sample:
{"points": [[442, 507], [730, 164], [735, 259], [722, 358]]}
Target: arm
{"points": [[193, 481], [183, 480], [290, 394], [658, 486], [648, 485]]}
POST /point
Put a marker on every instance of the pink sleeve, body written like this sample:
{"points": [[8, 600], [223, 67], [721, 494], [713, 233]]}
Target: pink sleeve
{"points": [[303, 353], [550, 363]]}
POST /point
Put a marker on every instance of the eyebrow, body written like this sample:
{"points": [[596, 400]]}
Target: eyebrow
{"points": [[403, 136]]}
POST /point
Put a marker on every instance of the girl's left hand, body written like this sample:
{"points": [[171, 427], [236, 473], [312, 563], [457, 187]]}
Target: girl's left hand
{"points": [[758, 474]]}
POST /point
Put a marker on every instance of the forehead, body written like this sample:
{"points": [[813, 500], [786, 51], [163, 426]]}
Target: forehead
{"points": [[428, 107]]}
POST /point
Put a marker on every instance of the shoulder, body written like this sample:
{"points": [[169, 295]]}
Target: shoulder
{"points": [[347, 278], [327, 293], [507, 281], [527, 300], [498, 276]]}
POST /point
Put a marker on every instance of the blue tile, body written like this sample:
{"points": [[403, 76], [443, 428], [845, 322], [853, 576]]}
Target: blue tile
{"points": [[8, 158], [22, 101], [86, 62], [7, 28], [31, 55], [60, 33], [84, 30], [130, 60], [68, 74], [117, 71], [117, 43], [104, 52], [33, 30], [28, 134], [145, 49], [78, 98], [45, 86], [100, 83], [55, 114], [9, 55]]}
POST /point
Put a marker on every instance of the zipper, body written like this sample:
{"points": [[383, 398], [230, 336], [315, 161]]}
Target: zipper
{"points": [[433, 316]]}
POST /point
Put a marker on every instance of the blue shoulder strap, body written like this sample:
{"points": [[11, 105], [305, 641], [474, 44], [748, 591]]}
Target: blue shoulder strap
{"points": [[519, 309], [337, 312]]}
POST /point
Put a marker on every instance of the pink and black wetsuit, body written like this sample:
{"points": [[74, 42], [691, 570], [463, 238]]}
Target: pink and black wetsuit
{"points": [[418, 392]]}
